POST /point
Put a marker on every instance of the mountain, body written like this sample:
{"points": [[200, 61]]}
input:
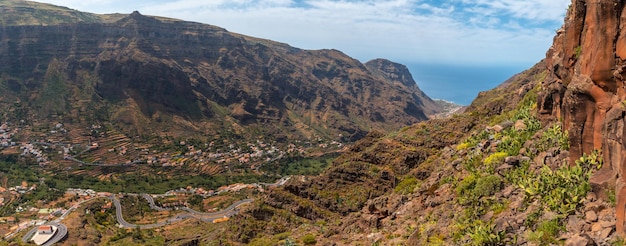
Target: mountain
{"points": [[156, 76], [584, 88], [537, 160]]}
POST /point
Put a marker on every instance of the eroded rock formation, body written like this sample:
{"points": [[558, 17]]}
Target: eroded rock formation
{"points": [[585, 88]]}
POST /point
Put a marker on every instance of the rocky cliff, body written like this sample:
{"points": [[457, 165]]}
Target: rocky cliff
{"points": [[151, 75], [585, 88]]}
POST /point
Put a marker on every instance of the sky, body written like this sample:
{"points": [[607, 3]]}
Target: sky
{"points": [[507, 36]]}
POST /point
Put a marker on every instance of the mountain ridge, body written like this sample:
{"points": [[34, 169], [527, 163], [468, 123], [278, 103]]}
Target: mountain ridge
{"points": [[155, 55]]}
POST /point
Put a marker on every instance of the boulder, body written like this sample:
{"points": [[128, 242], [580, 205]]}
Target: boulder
{"points": [[580, 240]]}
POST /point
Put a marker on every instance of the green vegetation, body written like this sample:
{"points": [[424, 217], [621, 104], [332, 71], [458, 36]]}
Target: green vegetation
{"points": [[299, 166], [136, 237], [559, 190], [546, 232], [261, 242], [474, 187], [39, 13], [151, 182], [482, 233], [407, 185], [309, 239], [17, 170], [54, 94], [512, 140], [553, 137], [134, 208], [578, 51]]}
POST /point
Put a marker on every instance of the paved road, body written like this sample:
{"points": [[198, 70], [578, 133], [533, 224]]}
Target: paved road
{"points": [[29, 234], [207, 217], [58, 236], [151, 202]]}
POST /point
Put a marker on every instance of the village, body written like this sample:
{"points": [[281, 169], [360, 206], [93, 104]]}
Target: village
{"points": [[28, 216], [58, 144]]}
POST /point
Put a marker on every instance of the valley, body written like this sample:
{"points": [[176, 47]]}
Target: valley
{"points": [[129, 129]]}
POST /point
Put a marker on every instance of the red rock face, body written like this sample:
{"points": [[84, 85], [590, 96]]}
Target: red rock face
{"points": [[585, 88]]}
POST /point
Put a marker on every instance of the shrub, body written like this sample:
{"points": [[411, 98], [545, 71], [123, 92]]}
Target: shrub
{"points": [[406, 186], [495, 158], [473, 187], [463, 146], [309, 239], [482, 233], [473, 140], [554, 136], [282, 236], [578, 51], [261, 241], [591, 161], [562, 190], [546, 232]]}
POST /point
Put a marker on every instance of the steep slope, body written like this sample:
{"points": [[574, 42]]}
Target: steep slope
{"points": [[585, 88], [397, 188], [400, 76], [18, 12], [514, 171], [153, 75]]}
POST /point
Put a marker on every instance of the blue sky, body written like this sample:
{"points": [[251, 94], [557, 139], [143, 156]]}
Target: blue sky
{"points": [[485, 33]]}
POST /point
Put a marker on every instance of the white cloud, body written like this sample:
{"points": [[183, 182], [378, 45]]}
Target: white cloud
{"points": [[452, 31], [536, 10]]}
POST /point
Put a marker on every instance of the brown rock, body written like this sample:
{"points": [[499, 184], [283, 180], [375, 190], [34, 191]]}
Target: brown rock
{"points": [[596, 227], [585, 88], [580, 240], [596, 206], [591, 197], [487, 216], [549, 215], [540, 159], [519, 125], [497, 128], [606, 232], [606, 224], [512, 160], [591, 216], [523, 151], [574, 224], [508, 191]]}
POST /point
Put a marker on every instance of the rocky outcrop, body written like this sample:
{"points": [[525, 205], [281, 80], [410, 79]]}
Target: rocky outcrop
{"points": [[585, 87], [400, 76]]}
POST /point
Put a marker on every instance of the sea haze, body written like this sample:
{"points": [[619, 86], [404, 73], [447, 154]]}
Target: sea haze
{"points": [[460, 83]]}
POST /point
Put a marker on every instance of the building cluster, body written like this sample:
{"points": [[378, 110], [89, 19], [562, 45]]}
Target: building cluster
{"points": [[80, 192], [252, 153], [87, 193], [6, 135], [29, 149], [48, 213], [190, 191], [23, 188], [238, 187]]}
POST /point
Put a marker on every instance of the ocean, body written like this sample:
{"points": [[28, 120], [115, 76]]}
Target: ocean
{"points": [[460, 83]]}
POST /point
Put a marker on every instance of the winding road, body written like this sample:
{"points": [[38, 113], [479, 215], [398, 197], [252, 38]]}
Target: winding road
{"points": [[207, 217], [60, 234]]}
